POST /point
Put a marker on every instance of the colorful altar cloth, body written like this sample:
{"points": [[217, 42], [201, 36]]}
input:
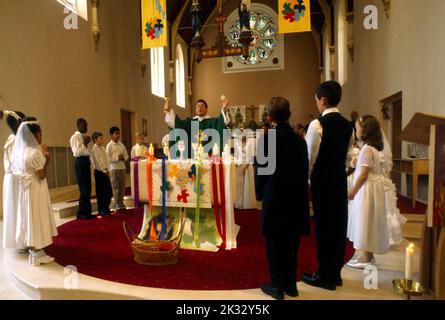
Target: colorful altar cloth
{"points": [[181, 193]]}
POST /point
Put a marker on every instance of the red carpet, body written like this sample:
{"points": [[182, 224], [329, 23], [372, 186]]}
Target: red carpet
{"points": [[405, 206], [100, 249]]}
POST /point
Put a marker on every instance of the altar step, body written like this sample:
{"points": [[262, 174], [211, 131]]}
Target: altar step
{"points": [[68, 209], [412, 229]]}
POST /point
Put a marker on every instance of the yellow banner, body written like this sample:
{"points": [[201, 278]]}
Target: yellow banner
{"points": [[154, 23], [294, 16]]}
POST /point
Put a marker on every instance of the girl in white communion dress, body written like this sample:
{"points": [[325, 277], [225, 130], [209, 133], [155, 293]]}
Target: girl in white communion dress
{"points": [[374, 219], [10, 184], [35, 222]]}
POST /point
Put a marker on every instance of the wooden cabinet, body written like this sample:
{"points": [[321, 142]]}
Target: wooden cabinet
{"points": [[414, 167]]}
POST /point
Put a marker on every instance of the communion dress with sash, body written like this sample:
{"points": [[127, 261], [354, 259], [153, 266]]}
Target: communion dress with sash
{"points": [[374, 220]]}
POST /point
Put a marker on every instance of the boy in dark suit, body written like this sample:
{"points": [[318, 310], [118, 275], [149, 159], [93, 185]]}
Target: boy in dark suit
{"points": [[329, 139], [285, 212]]}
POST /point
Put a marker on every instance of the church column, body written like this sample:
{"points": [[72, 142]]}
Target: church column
{"points": [[333, 65], [350, 33], [322, 74], [350, 28], [332, 58]]}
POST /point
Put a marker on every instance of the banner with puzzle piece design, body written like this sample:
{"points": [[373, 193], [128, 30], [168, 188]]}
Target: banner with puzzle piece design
{"points": [[294, 16]]}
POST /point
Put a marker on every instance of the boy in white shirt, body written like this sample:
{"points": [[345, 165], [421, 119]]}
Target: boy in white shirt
{"points": [[118, 155], [80, 144], [139, 148], [101, 165]]}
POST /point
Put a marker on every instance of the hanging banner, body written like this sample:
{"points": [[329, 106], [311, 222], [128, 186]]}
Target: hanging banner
{"points": [[154, 23], [294, 16]]}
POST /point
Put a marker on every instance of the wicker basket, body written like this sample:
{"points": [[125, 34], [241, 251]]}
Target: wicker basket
{"points": [[154, 252]]}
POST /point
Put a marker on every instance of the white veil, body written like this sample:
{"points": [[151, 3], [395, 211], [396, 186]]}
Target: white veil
{"points": [[387, 154], [23, 139], [394, 218]]}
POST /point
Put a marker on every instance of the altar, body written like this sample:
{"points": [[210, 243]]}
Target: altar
{"points": [[203, 193]]}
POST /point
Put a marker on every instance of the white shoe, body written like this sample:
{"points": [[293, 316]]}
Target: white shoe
{"points": [[39, 257], [354, 260], [357, 264]]}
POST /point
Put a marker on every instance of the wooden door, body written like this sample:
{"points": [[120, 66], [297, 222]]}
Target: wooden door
{"points": [[396, 141], [126, 133]]}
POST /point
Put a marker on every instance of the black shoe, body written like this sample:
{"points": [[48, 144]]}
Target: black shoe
{"points": [[316, 281], [292, 292], [338, 282], [104, 213], [272, 291], [86, 217]]}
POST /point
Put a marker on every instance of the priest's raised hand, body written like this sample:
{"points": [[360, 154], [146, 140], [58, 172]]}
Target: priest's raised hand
{"points": [[201, 121], [167, 106]]}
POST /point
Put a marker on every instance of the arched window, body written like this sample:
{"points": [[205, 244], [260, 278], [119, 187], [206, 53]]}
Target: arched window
{"points": [[157, 71], [180, 77]]}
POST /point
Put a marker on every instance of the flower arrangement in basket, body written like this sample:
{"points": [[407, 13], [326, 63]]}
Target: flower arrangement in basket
{"points": [[155, 252]]}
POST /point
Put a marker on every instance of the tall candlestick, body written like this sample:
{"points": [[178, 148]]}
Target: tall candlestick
{"points": [[226, 153], [409, 262], [181, 148], [215, 150], [151, 150], [195, 149], [166, 149], [139, 151]]}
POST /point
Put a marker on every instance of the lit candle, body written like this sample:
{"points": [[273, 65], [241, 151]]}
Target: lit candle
{"points": [[139, 151], [215, 150], [151, 150], [201, 150], [409, 262], [166, 149], [226, 153]]}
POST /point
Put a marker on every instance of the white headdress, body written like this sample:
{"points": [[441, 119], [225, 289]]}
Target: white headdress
{"points": [[12, 114], [23, 139]]}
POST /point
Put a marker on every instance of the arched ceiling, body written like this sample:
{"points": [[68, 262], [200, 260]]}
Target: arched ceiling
{"points": [[174, 8]]}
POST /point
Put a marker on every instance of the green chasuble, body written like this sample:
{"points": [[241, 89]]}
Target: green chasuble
{"points": [[209, 123]]}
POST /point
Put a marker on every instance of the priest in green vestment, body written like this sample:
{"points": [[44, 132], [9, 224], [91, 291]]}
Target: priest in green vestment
{"points": [[199, 123]]}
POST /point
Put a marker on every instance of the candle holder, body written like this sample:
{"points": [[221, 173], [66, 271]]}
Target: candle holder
{"points": [[409, 288], [181, 148]]}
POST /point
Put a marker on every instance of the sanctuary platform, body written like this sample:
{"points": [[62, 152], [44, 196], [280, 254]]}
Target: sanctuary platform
{"points": [[238, 279]]}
